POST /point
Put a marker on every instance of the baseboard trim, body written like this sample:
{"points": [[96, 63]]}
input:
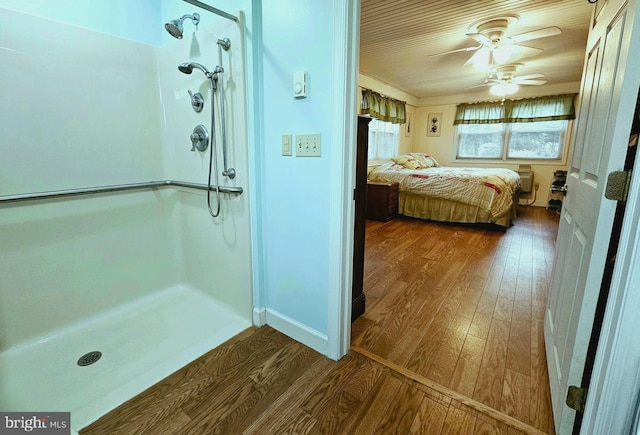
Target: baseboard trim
{"points": [[294, 329], [259, 316]]}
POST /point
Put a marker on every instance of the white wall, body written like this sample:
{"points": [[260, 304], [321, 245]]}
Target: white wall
{"points": [[80, 108], [306, 208], [296, 193], [136, 21], [140, 20], [63, 261]]}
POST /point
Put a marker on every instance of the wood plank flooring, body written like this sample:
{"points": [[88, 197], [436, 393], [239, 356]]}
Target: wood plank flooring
{"points": [[263, 382], [463, 306], [451, 343]]}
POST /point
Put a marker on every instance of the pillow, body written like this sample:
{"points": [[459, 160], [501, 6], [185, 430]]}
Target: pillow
{"points": [[408, 161], [425, 159]]}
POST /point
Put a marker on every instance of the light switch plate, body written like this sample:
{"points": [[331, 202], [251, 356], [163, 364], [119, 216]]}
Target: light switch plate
{"points": [[287, 144], [308, 145]]}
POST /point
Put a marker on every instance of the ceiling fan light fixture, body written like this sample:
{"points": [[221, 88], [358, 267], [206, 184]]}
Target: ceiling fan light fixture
{"points": [[489, 58], [502, 53], [483, 59], [502, 89]]}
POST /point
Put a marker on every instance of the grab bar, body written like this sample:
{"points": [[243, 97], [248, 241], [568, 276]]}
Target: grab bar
{"points": [[115, 188]]}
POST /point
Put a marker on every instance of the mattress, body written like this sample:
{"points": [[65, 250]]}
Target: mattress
{"points": [[452, 194]]}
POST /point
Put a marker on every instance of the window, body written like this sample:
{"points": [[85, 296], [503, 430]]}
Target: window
{"points": [[527, 140], [383, 139], [384, 129], [480, 141], [537, 140], [530, 128]]}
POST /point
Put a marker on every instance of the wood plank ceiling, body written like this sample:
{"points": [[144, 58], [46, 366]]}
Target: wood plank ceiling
{"points": [[398, 37]]}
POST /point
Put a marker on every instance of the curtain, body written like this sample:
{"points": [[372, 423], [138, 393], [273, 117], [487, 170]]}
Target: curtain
{"points": [[548, 108], [479, 113], [382, 108]]}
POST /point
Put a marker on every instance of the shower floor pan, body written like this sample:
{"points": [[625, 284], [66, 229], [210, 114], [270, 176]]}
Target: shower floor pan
{"points": [[141, 342]]}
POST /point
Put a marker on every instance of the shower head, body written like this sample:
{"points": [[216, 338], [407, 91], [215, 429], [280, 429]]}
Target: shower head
{"points": [[174, 27], [188, 67]]}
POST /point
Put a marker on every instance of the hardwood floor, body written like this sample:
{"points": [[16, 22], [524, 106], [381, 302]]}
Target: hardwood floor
{"points": [[463, 306], [451, 343], [263, 382]]}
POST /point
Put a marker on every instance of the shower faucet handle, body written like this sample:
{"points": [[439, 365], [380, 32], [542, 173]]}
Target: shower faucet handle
{"points": [[199, 138], [197, 101], [195, 140]]}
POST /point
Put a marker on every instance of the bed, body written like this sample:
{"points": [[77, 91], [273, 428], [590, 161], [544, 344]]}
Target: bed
{"points": [[427, 190]]}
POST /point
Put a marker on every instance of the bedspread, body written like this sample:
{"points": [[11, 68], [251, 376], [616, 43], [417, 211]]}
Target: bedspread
{"points": [[491, 189]]}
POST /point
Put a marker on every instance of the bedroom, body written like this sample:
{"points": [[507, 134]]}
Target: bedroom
{"points": [[402, 58], [396, 55]]}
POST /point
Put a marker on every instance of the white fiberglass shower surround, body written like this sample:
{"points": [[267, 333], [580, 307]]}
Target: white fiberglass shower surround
{"points": [[145, 276]]}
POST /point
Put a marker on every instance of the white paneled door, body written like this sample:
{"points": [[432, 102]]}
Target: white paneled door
{"points": [[606, 108], [603, 124]]}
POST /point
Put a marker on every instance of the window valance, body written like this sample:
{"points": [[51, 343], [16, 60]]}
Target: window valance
{"points": [[538, 109], [382, 108]]}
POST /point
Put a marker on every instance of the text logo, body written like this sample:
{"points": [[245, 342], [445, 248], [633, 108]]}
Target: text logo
{"points": [[39, 423]]}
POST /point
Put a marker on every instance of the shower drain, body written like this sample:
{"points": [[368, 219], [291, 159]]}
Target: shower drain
{"points": [[89, 358]]}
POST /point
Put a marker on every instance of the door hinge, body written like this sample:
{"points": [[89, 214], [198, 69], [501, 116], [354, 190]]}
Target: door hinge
{"points": [[576, 398], [618, 185]]}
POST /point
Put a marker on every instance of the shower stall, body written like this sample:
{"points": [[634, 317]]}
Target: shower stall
{"points": [[113, 273]]}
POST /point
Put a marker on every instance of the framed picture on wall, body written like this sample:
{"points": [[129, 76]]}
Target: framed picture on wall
{"points": [[408, 125], [434, 122]]}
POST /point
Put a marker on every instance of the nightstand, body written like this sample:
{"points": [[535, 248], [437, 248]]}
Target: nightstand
{"points": [[382, 201]]}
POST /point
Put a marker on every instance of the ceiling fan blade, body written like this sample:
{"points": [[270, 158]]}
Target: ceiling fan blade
{"points": [[517, 81], [524, 49], [457, 51], [481, 58], [482, 39], [480, 86], [530, 76], [535, 34]]}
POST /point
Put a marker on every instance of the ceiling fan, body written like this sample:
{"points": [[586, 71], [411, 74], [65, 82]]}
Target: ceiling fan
{"points": [[494, 47], [503, 80]]}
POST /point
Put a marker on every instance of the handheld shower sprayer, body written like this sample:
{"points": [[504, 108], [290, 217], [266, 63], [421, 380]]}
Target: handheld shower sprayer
{"points": [[187, 68], [174, 27]]}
